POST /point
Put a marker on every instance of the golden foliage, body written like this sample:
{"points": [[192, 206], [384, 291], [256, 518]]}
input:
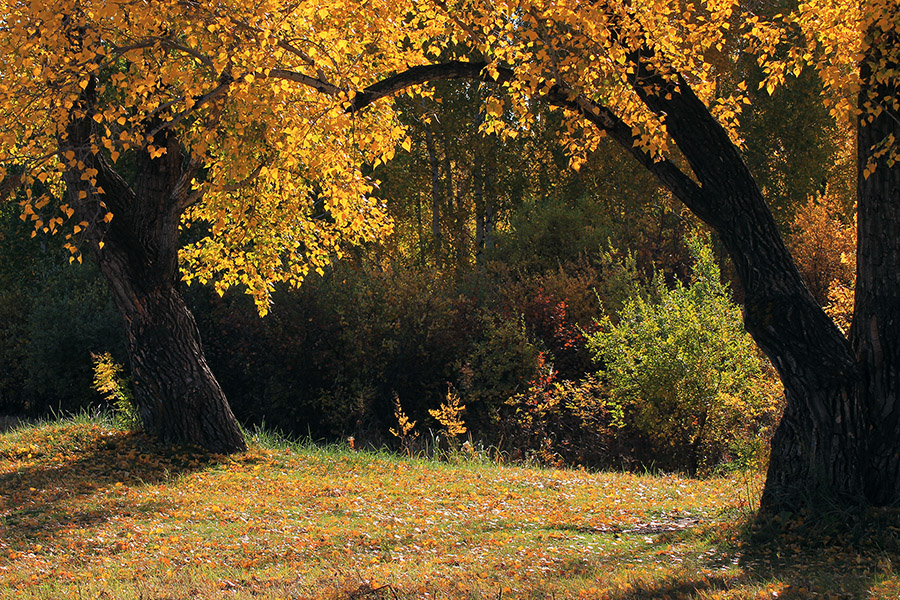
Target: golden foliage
{"points": [[255, 93], [405, 430], [258, 94], [824, 246], [114, 386]]}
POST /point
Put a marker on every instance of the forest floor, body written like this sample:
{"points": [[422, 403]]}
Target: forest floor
{"points": [[87, 511]]}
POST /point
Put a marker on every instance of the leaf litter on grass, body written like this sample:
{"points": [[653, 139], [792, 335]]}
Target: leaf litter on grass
{"points": [[88, 511]]}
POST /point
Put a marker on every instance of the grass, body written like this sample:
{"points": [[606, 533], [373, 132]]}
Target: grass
{"points": [[87, 511]]}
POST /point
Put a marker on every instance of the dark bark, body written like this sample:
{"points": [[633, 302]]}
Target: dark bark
{"points": [[426, 74], [837, 441], [420, 229], [875, 334], [817, 449], [177, 396], [490, 197], [478, 194]]}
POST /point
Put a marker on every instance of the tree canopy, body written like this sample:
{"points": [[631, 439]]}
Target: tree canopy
{"points": [[256, 95]]}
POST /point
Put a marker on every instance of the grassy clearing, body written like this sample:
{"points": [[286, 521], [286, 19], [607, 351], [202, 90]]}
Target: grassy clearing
{"points": [[90, 512]]}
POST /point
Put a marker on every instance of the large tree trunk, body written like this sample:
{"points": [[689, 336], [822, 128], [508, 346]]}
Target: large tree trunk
{"points": [[819, 446], [876, 323], [816, 450], [177, 396]]}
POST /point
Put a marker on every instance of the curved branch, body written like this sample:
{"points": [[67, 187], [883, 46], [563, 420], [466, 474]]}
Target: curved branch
{"points": [[667, 172], [317, 84], [199, 101], [424, 74]]}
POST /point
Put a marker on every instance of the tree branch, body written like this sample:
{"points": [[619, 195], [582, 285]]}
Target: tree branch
{"points": [[199, 101], [316, 84], [673, 178], [427, 73]]}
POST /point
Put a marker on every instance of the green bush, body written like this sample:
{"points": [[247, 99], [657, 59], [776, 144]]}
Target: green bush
{"points": [[683, 373]]}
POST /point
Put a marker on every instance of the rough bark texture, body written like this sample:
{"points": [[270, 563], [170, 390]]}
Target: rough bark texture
{"points": [[816, 449], [876, 325], [178, 397]]}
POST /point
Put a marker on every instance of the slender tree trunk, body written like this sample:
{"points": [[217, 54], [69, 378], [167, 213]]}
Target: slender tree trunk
{"points": [[454, 200], [435, 195], [178, 397], [478, 193], [490, 197], [420, 229]]}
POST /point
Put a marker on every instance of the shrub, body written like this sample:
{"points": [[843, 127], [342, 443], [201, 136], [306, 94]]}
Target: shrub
{"points": [[824, 246], [499, 363], [560, 422], [556, 305], [682, 371]]}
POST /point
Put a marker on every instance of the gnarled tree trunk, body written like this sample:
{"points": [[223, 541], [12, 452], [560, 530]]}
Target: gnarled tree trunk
{"points": [[178, 397], [818, 451]]}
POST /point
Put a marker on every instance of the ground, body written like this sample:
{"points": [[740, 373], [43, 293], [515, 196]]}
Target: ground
{"points": [[88, 511]]}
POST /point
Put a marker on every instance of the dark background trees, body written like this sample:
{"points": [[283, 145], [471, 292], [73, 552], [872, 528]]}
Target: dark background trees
{"points": [[489, 316], [672, 108]]}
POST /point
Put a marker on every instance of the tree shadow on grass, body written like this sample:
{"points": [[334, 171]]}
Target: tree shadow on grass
{"points": [[788, 558], [53, 493]]}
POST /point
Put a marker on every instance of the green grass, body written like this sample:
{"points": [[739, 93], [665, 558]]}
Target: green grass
{"points": [[90, 512]]}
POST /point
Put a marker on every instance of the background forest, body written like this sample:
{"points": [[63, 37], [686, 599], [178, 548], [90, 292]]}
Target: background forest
{"points": [[580, 317]]}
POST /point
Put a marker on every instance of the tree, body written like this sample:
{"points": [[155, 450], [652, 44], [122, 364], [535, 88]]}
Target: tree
{"points": [[244, 119], [129, 126], [644, 73]]}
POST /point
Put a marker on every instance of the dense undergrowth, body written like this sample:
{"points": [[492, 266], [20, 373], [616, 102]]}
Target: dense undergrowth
{"points": [[89, 511]]}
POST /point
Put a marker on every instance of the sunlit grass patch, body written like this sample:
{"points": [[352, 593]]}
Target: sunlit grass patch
{"points": [[91, 512]]}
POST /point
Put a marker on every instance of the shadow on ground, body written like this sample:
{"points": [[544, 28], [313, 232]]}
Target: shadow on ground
{"points": [[838, 557], [45, 494]]}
